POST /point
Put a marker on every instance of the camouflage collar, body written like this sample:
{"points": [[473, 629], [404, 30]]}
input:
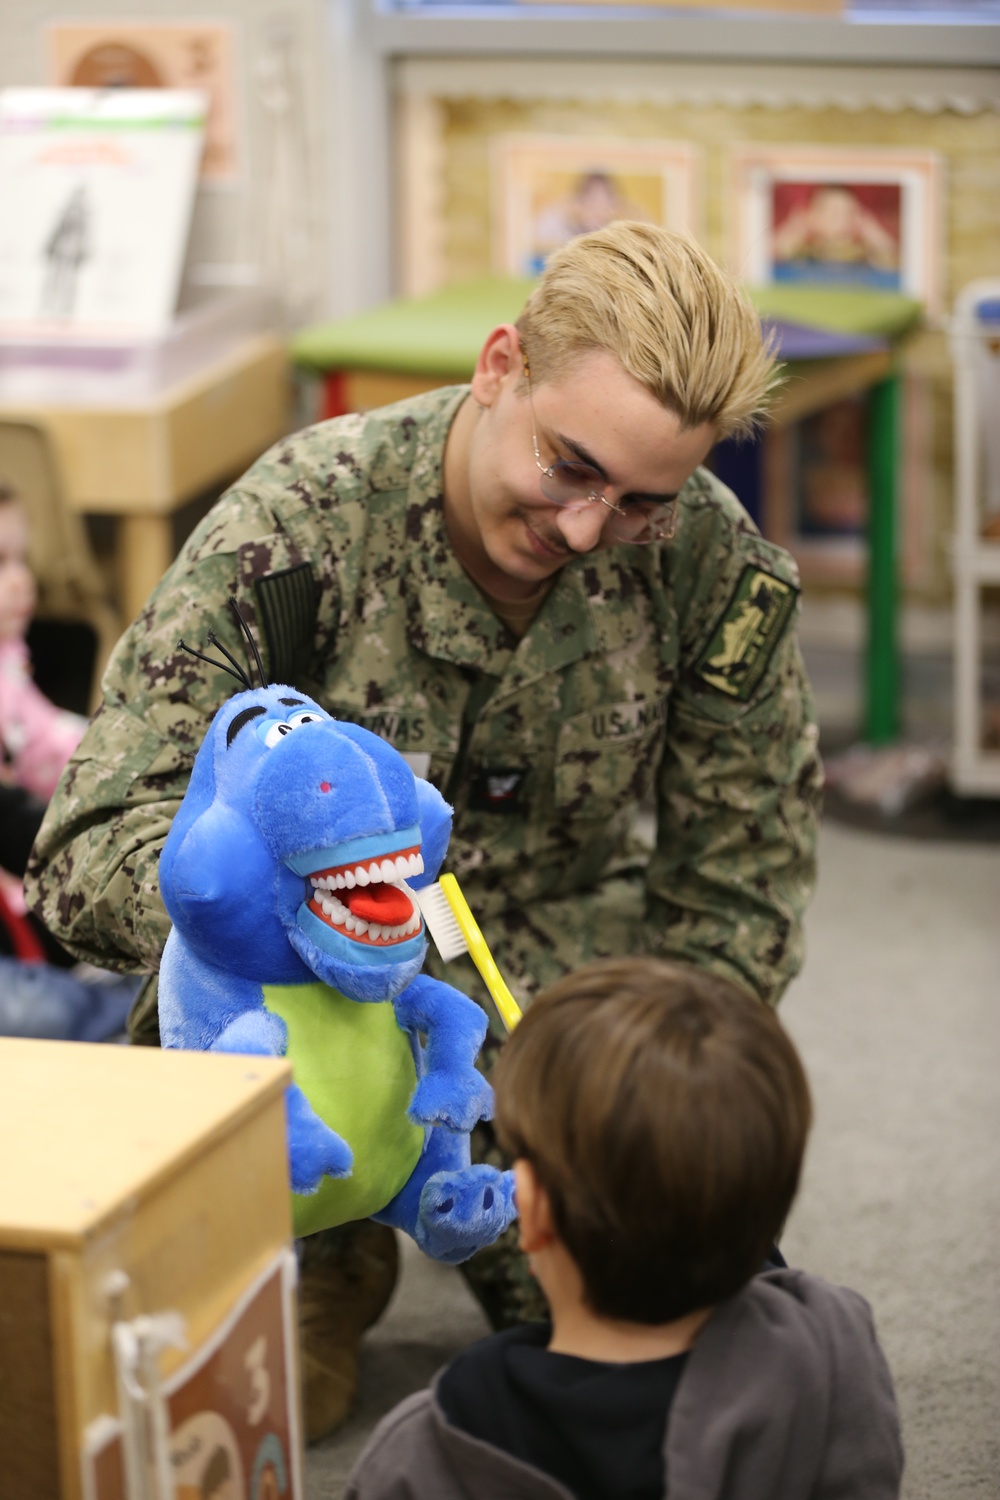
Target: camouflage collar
{"points": [[447, 616]]}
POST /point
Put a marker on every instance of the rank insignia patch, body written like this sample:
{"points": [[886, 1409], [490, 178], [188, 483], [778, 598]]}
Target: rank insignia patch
{"points": [[497, 791], [744, 639]]}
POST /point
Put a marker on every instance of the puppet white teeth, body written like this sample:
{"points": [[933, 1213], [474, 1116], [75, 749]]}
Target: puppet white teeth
{"points": [[339, 916], [337, 913], [393, 870], [389, 871]]}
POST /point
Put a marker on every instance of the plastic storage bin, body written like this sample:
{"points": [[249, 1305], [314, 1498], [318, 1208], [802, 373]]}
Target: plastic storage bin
{"points": [[88, 370]]}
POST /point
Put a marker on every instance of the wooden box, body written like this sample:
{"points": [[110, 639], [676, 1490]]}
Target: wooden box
{"points": [[133, 1182]]}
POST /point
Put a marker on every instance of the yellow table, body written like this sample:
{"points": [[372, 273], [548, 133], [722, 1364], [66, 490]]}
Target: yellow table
{"points": [[142, 462], [136, 1184]]}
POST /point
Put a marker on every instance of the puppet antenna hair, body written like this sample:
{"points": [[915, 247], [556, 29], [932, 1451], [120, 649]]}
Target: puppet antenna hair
{"points": [[234, 606], [239, 674], [234, 668], [213, 640]]}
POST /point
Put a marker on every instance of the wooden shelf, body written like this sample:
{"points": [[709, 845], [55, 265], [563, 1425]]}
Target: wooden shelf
{"points": [[144, 1182]]}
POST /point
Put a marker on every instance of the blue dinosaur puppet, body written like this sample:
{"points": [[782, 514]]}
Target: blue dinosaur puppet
{"points": [[286, 875]]}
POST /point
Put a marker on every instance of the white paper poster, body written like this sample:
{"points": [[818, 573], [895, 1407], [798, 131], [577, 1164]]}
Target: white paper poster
{"points": [[96, 193]]}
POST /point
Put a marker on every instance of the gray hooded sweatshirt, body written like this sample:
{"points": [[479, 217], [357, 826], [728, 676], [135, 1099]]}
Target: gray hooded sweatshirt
{"points": [[786, 1395]]}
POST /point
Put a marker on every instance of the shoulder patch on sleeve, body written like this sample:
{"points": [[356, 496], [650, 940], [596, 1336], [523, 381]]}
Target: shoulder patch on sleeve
{"points": [[746, 633]]}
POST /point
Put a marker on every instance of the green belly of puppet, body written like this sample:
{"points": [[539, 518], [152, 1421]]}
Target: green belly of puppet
{"points": [[355, 1066]]}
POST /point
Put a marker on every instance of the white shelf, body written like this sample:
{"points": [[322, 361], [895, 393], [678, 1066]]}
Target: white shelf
{"points": [[979, 561], [975, 347], [977, 776]]}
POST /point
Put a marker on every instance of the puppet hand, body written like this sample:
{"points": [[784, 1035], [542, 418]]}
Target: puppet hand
{"points": [[456, 1100], [314, 1150], [460, 1212]]}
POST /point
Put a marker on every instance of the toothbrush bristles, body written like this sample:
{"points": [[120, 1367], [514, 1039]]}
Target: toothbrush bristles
{"points": [[442, 924]]}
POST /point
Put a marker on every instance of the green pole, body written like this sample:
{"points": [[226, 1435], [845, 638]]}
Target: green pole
{"points": [[882, 671]]}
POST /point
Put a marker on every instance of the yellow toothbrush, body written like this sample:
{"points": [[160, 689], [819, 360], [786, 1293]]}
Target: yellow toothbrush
{"points": [[455, 931]]}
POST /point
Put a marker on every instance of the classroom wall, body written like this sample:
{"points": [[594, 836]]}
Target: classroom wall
{"points": [[968, 141], [448, 110], [228, 234], [449, 114]]}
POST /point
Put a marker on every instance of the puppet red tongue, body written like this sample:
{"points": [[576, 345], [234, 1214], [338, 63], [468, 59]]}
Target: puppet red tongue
{"points": [[380, 903]]}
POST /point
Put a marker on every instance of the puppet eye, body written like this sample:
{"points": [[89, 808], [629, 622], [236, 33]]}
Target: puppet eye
{"points": [[272, 730], [275, 732]]}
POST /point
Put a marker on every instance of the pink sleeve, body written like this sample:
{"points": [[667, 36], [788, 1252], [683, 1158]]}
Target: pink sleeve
{"points": [[38, 738]]}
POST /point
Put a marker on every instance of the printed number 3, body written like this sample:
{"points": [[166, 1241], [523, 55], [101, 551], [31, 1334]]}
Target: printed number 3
{"points": [[255, 1361]]}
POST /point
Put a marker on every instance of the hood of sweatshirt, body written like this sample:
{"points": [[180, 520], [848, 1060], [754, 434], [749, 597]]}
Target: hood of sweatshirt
{"points": [[786, 1395]]}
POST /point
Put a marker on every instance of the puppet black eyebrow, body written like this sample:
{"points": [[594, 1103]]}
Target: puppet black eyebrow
{"points": [[292, 702], [240, 721]]}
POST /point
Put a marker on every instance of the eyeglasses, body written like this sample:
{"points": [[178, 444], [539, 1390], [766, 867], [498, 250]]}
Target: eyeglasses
{"points": [[571, 483]]}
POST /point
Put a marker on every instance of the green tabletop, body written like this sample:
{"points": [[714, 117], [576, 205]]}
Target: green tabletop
{"points": [[441, 334], [857, 310], [436, 335]]}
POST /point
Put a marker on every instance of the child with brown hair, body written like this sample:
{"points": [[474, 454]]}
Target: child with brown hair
{"points": [[658, 1117]]}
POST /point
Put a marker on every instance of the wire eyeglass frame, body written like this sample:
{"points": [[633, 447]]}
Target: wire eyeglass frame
{"points": [[565, 491]]}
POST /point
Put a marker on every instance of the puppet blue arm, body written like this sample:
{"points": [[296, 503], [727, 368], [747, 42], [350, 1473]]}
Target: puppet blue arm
{"points": [[199, 1007], [314, 1150], [190, 1014], [451, 1092]]}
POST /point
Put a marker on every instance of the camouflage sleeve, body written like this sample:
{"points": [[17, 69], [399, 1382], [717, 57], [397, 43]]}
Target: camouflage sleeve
{"points": [[739, 787], [93, 874]]}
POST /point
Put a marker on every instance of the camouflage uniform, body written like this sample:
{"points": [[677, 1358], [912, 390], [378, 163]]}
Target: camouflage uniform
{"points": [[666, 672]]}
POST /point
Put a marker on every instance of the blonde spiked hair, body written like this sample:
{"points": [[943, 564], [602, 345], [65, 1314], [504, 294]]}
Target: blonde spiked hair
{"points": [[672, 318]]}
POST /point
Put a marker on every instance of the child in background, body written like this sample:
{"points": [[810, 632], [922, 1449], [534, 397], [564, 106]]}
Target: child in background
{"points": [[37, 737], [658, 1118], [36, 741]]}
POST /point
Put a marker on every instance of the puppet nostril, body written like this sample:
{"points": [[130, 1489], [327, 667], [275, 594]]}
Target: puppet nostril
{"points": [[324, 786]]}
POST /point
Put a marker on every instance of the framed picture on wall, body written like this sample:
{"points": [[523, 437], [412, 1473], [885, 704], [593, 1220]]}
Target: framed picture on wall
{"points": [[546, 189], [830, 216], [189, 54]]}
